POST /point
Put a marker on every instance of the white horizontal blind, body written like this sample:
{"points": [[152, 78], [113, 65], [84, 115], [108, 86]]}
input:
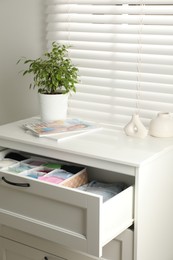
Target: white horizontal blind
{"points": [[124, 52]]}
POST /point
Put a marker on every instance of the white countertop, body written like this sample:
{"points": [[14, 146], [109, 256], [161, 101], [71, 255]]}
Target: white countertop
{"points": [[104, 144]]}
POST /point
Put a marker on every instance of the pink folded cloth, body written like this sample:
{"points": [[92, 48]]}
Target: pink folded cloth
{"points": [[51, 179]]}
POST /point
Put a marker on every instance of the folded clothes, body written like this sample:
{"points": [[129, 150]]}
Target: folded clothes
{"points": [[34, 175], [19, 168], [61, 174], [15, 156], [72, 168], [35, 163], [7, 162], [51, 179], [56, 176], [52, 165], [106, 190]]}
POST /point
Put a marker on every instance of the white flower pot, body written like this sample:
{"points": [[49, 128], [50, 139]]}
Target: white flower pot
{"points": [[53, 107]]}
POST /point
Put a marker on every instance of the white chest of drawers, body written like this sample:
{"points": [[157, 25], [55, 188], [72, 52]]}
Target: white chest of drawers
{"points": [[82, 221]]}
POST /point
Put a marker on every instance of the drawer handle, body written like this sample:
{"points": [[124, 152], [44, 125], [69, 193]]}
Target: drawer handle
{"points": [[45, 258], [15, 183]]}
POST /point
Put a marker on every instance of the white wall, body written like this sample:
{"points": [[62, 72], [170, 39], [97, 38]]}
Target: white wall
{"points": [[21, 34]]}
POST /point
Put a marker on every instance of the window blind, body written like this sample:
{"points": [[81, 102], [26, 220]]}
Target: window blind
{"points": [[124, 52]]}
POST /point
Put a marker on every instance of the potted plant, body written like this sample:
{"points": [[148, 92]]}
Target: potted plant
{"points": [[54, 76]]}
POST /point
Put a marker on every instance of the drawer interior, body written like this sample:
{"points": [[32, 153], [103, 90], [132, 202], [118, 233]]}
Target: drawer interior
{"points": [[61, 213], [65, 174]]}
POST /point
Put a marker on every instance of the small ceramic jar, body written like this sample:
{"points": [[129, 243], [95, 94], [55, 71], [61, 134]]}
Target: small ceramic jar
{"points": [[162, 125]]}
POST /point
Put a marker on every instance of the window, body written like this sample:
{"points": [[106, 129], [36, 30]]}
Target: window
{"points": [[124, 51]]}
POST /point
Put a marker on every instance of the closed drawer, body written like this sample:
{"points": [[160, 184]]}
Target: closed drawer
{"points": [[120, 248], [15, 251], [70, 217]]}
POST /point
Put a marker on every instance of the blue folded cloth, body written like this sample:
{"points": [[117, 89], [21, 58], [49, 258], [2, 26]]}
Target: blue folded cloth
{"points": [[106, 190]]}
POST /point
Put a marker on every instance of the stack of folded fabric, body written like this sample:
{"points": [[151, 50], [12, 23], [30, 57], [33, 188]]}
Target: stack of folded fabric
{"points": [[107, 190]]}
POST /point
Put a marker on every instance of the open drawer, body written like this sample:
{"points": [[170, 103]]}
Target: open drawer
{"points": [[70, 217]]}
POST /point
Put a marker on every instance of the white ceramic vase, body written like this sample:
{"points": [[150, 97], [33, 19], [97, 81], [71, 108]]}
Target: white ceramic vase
{"points": [[135, 127], [162, 125], [53, 107]]}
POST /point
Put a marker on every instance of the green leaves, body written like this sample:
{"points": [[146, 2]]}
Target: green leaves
{"points": [[53, 71]]}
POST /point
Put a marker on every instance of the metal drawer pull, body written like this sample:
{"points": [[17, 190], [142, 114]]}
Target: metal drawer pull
{"points": [[45, 258], [15, 183]]}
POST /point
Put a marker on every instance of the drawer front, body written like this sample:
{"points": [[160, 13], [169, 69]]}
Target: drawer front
{"points": [[70, 217], [14, 251], [120, 248]]}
